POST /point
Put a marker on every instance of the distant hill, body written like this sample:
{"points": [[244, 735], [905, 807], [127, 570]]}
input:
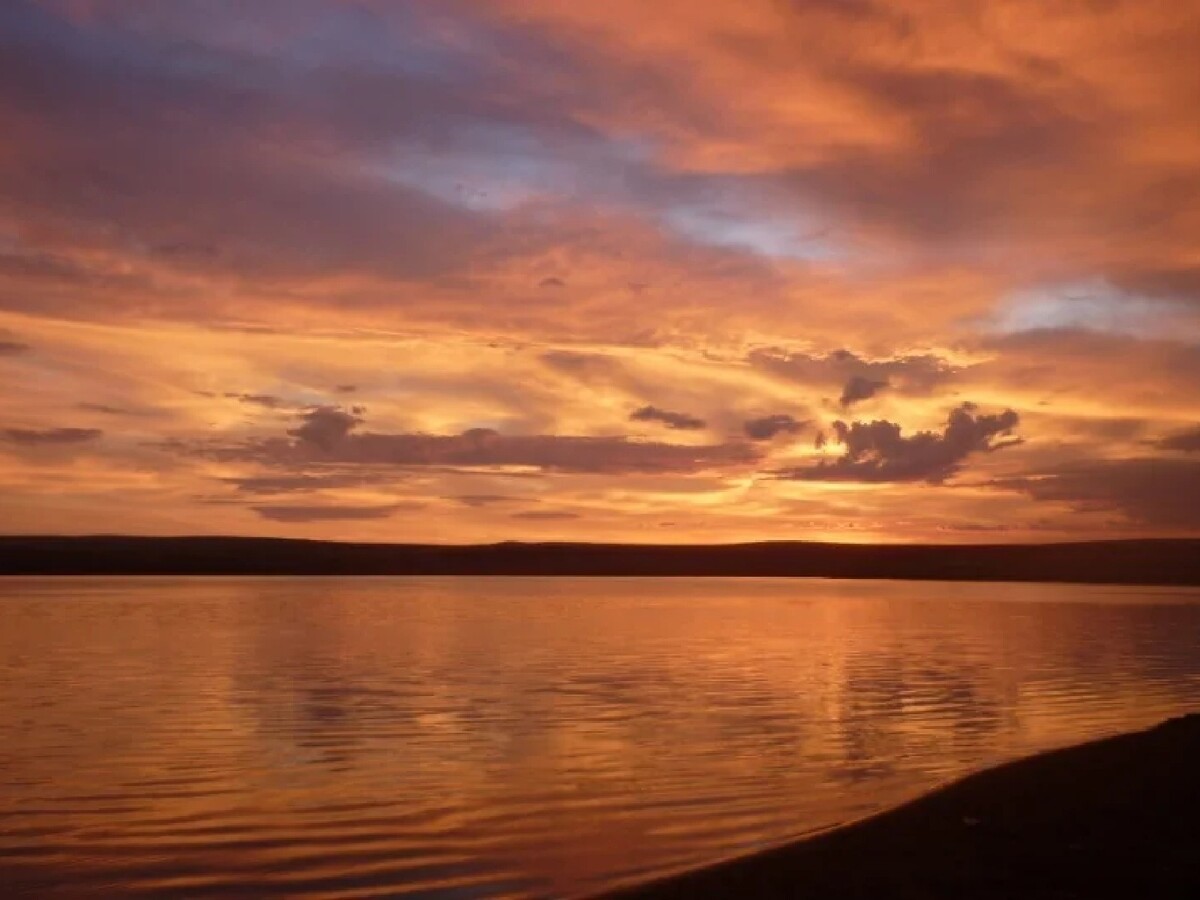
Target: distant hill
{"points": [[1116, 562]]}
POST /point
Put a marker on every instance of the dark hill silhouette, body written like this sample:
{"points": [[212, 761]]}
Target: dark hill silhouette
{"points": [[1164, 562]]}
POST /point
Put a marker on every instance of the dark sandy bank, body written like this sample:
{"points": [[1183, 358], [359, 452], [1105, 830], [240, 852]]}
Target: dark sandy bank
{"points": [[1116, 818]]}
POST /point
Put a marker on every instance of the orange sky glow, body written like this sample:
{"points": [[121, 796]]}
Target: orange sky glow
{"points": [[478, 270]]}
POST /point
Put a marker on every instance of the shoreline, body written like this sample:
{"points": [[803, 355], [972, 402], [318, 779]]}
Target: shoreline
{"points": [[1115, 817], [1150, 562]]}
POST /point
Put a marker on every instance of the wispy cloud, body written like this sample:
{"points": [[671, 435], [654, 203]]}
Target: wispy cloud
{"points": [[611, 257]]}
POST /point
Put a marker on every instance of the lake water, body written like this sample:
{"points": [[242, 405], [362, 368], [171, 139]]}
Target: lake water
{"points": [[487, 737]]}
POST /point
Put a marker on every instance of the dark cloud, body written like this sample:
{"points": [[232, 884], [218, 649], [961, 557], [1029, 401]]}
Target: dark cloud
{"points": [[860, 388], [1187, 440], [324, 426], [107, 146], [1107, 430], [104, 408], [1074, 360], [582, 365], [30, 437], [1168, 283], [108, 409], [857, 376], [13, 348], [295, 168], [269, 401], [767, 427], [545, 515], [676, 420], [552, 282], [299, 484], [1148, 491], [326, 438], [346, 388], [330, 513], [968, 129], [878, 452], [484, 499], [555, 453]]}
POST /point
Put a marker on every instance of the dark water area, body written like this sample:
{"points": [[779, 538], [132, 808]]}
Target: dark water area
{"points": [[524, 737]]}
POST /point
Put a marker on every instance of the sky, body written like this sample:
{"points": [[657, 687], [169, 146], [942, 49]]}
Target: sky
{"points": [[683, 271]]}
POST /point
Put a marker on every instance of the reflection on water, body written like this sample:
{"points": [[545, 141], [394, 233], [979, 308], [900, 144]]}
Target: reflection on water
{"points": [[485, 737]]}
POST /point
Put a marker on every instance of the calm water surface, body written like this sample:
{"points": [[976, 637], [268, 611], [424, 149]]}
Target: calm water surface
{"points": [[478, 737]]}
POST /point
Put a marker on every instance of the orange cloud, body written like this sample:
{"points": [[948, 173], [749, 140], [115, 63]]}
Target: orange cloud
{"points": [[616, 264]]}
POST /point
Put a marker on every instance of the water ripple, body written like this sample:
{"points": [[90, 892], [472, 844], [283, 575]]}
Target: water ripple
{"points": [[523, 738]]}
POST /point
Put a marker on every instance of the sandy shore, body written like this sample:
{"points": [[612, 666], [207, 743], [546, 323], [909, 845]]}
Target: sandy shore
{"points": [[1118, 817]]}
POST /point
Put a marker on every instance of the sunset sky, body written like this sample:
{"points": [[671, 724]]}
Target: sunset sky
{"points": [[477, 270]]}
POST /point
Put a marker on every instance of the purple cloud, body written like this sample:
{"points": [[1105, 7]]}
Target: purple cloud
{"points": [[768, 427], [878, 451], [31, 437], [330, 513], [676, 420]]}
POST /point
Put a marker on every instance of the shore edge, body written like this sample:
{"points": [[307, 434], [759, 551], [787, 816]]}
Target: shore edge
{"points": [[1115, 817]]}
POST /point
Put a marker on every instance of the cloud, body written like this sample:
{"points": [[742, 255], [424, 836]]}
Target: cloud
{"points": [[30, 437], [335, 179], [545, 515], [857, 376], [254, 211], [1187, 440], [767, 427], [1148, 491], [484, 499], [330, 513], [484, 447], [1140, 375], [345, 388], [304, 483], [269, 401], [326, 438], [860, 388], [108, 409], [467, 209], [104, 408], [325, 426], [1171, 282], [583, 365], [966, 125], [878, 452], [676, 420]]}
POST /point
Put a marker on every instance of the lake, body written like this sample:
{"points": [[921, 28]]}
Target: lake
{"points": [[524, 737]]}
